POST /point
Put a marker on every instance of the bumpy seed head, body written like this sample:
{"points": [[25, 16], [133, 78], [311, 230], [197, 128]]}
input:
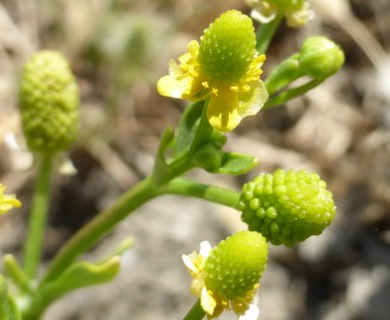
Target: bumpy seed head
{"points": [[287, 207], [49, 103], [236, 264], [321, 57], [227, 47]]}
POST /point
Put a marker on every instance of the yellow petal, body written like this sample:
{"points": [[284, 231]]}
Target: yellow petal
{"points": [[169, 86], [7, 202], [207, 301], [222, 110], [251, 102]]}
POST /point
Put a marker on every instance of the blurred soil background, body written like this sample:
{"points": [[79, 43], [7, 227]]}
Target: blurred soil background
{"points": [[118, 49]]}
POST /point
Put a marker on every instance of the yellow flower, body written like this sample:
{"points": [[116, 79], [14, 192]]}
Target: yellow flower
{"points": [[7, 202], [227, 277], [225, 69], [297, 12]]}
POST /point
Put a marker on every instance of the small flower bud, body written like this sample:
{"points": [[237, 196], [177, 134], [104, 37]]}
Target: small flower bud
{"points": [[320, 57], [208, 157], [49, 103], [235, 265], [287, 207], [227, 47]]}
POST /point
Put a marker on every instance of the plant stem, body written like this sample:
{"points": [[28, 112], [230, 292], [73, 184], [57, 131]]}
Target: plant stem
{"points": [[87, 236], [292, 93], [38, 217], [16, 273], [189, 188], [266, 32], [196, 312]]}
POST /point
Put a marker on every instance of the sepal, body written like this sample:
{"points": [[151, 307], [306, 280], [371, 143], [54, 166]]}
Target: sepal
{"points": [[282, 75], [236, 163], [188, 125], [162, 171]]}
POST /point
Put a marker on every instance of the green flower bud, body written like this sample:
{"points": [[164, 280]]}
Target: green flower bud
{"points": [[49, 103], [287, 207], [235, 266], [320, 57], [228, 47], [208, 157]]}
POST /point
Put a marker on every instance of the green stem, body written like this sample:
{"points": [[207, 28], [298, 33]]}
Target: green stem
{"points": [[189, 188], [292, 93], [38, 217], [265, 34], [4, 313], [86, 237], [196, 312]]}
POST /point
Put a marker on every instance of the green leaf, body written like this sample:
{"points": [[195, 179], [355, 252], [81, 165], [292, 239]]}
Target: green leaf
{"points": [[81, 274], [236, 163], [16, 273]]}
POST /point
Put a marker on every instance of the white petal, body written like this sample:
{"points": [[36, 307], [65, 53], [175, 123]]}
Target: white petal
{"points": [[205, 248], [252, 313], [258, 16], [188, 263]]}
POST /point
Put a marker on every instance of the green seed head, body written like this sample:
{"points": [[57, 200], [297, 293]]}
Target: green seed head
{"points": [[236, 264], [49, 103], [321, 57], [287, 207], [227, 47]]}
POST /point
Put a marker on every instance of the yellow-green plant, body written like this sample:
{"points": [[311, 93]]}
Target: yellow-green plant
{"points": [[220, 75]]}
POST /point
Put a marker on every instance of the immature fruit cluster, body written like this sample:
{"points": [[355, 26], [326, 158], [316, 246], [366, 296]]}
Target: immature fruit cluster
{"points": [[228, 47], [49, 103], [236, 264], [287, 207]]}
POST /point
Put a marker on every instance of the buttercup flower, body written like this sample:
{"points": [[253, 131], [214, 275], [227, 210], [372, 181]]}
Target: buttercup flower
{"points": [[7, 201], [227, 277], [225, 68], [297, 12]]}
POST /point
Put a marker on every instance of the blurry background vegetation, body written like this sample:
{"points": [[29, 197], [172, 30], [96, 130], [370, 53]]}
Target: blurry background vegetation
{"points": [[118, 49]]}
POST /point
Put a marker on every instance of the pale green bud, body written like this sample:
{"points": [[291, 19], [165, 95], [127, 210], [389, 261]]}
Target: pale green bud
{"points": [[320, 57]]}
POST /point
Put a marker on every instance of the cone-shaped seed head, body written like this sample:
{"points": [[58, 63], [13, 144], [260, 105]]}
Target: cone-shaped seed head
{"points": [[227, 47], [49, 103], [236, 264], [287, 207]]}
